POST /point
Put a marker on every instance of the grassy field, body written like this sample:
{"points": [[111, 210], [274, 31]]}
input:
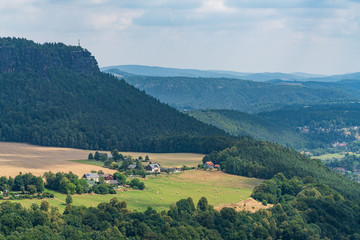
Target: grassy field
{"points": [[163, 190], [89, 162], [333, 155]]}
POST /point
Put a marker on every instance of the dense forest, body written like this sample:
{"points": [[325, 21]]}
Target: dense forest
{"points": [[55, 95], [186, 93], [264, 160], [324, 115], [298, 127], [244, 124]]}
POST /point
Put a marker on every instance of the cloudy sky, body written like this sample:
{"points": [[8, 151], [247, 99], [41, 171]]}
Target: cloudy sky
{"points": [[315, 36]]}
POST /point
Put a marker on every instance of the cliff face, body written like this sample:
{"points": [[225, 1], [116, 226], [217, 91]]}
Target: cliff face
{"points": [[23, 55]]}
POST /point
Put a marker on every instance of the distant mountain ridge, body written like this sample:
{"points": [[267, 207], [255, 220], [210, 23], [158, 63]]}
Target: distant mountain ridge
{"points": [[155, 71], [186, 93]]}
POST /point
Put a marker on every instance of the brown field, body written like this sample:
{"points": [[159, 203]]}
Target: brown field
{"points": [[220, 179], [171, 159], [19, 157]]}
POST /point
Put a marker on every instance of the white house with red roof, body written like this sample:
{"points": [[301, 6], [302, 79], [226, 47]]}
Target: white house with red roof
{"points": [[209, 164]]}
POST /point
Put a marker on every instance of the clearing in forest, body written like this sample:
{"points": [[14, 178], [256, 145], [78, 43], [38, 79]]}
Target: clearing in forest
{"points": [[163, 190]]}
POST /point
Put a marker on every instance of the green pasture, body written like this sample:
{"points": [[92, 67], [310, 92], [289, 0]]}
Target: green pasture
{"points": [[89, 162], [330, 156], [163, 190]]}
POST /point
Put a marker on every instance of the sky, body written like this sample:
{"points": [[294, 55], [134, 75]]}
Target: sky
{"points": [[318, 36]]}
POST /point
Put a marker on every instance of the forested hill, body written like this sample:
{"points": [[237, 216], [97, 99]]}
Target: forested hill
{"points": [[235, 94], [53, 94], [244, 124]]}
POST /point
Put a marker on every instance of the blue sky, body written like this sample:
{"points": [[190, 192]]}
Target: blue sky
{"points": [[320, 36]]}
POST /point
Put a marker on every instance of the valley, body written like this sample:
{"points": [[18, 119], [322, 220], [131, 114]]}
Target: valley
{"points": [[244, 151]]}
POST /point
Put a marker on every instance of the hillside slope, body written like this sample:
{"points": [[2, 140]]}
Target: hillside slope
{"points": [[234, 94], [243, 124], [53, 94]]}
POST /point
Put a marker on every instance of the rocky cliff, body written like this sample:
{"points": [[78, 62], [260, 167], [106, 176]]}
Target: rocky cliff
{"points": [[23, 55]]}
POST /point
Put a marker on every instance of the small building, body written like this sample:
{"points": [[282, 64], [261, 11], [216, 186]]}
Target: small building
{"points": [[209, 165], [153, 168], [107, 176], [91, 176], [217, 166]]}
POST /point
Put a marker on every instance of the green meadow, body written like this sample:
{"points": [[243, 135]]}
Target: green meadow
{"points": [[163, 190], [330, 156]]}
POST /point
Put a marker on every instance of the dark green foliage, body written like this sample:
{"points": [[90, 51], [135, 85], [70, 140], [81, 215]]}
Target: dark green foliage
{"points": [[68, 183], [23, 182], [307, 211], [121, 178], [103, 188], [323, 125], [224, 93], [44, 206], [264, 160], [137, 184], [55, 95], [349, 163], [68, 199], [244, 124]]}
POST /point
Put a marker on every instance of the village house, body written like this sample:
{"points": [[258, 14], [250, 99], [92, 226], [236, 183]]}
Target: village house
{"points": [[153, 168], [107, 176], [217, 166], [209, 165], [91, 176]]}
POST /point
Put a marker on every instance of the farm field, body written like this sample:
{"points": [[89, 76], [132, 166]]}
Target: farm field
{"points": [[163, 190], [19, 157], [171, 159]]}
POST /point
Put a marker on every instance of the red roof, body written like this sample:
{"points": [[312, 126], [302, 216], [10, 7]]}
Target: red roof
{"points": [[217, 165], [209, 163]]}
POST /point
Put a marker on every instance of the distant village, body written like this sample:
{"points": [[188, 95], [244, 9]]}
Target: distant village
{"points": [[133, 168]]}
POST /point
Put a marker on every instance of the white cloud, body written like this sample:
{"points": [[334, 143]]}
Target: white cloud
{"points": [[215, 6], [118, 20]]}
